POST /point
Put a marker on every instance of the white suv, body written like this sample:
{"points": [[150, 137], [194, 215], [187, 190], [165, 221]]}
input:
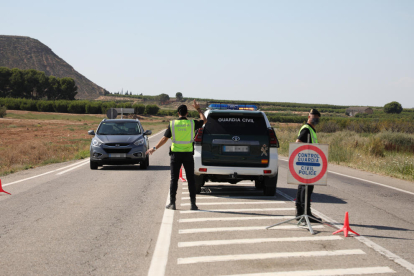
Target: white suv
{"points": [[237, 143]]}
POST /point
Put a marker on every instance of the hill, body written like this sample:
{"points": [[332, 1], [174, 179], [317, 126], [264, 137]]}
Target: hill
{"points": [[27, 53]]}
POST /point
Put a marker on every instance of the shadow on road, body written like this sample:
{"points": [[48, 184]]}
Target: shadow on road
{"points": [[316, 197], [133, 168]]}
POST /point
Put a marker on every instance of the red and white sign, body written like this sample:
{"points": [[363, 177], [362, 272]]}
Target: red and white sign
{"points": [[308, 164]]}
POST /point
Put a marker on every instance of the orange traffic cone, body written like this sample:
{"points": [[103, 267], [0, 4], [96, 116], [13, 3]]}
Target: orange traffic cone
{"points": [[181, 175], [1, 189], [346, 227]]}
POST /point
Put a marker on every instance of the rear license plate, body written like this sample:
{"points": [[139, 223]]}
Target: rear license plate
{"points": [[236, 148], [117, 155]]}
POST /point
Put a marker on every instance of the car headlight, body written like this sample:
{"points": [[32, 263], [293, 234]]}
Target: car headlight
{"points": [[96, 142], [139, 142]]}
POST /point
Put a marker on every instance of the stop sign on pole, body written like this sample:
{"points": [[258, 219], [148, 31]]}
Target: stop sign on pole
{"points": [[308, 164]]}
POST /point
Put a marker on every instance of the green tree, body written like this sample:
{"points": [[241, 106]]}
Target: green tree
{"points": [[5, 74], [179, 96], [163, 98], [393, 107]]}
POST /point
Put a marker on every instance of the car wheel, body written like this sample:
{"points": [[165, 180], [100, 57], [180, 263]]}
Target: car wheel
{"points": [[93, 165], [259, 184], [199, 182], [144, 164], [269, 188]]}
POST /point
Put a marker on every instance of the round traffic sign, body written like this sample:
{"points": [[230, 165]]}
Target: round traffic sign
{"points": [[308, 164], [112, 113]]}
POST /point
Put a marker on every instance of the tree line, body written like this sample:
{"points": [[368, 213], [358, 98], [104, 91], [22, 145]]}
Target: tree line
{"points": [[33, 84]]}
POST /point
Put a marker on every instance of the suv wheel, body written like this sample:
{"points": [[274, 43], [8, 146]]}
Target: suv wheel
{"points": [[93, 165], [199, 182], [269, 188], [144, 164], [259, 184]]}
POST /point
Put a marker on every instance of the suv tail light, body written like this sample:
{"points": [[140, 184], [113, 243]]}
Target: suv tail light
{"points": [[199, 136], [273, 139]]}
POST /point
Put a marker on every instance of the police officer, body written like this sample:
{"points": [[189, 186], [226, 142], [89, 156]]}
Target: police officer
{"points": [[307, 132], [181, 132]]}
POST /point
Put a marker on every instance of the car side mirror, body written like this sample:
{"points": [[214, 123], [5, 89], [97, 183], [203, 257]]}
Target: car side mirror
{"points": [[148, 132], [91, 132]]}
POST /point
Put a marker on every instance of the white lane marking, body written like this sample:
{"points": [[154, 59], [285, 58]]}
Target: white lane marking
{"points": [[152, 136], [249, 241], [217, 191], [239, 210], [68, 170], [326, 272], [245, 228], [369, 181], [235, 203], [263, 256], [234, 197], [49, 172], [391, 256], [160, 257], [234, 218]]}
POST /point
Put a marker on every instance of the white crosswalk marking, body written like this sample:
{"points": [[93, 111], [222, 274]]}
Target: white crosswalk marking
{"points": [[327, 272], [235, 218], [250, 241], [262, 256], [234, 203], [239, 210], [247, 228]]}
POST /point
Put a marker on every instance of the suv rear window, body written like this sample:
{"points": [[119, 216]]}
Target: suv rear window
{"points": [[236, 124]]}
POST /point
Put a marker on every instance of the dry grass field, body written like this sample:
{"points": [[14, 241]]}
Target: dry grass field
{"points": [[29, 139]]}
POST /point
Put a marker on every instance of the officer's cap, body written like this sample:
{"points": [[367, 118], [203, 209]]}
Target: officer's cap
{"points": [[315, 112]]}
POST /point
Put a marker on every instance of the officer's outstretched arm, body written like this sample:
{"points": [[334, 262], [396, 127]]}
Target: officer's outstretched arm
{"points": [[160, 144], [197, 107]]}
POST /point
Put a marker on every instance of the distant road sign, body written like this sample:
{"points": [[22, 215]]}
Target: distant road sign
{"points": [[125, 110], [112, 113], [308, 164]]}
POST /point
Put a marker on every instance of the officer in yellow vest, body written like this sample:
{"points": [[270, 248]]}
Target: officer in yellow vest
{"points": [[182, 132], [307, 134]]}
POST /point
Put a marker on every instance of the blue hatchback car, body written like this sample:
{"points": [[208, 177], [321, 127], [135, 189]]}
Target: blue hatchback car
{"points": [[118, 142]]}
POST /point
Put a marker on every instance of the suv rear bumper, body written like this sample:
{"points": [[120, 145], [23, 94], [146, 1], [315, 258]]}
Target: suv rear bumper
{"points": [[240, 171]]}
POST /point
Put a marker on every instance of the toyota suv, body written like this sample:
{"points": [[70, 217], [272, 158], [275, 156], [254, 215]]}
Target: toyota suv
{"points": [[119, 141], [237, 143]]}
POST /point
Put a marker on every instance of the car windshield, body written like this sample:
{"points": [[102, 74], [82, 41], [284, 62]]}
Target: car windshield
{"points": [[244, 124], [119, 128]]}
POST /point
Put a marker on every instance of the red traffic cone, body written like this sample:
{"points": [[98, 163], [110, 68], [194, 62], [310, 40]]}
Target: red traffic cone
{"points": [[346, 227], [1, 189], [181, 175]]}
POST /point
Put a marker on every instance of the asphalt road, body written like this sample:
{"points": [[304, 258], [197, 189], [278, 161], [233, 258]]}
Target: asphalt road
{"points": [[64, 219]]}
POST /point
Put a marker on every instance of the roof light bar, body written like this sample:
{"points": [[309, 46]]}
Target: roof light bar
{"points": [[233, 106]]}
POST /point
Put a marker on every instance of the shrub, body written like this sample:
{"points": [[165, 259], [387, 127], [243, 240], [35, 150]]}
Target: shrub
{"points": [[29, 105], [45, 106], [12, 104], [139, 108], [61, 106], [93, 108], [3, 112], [76, 107], [151, 109], [393, 107]]}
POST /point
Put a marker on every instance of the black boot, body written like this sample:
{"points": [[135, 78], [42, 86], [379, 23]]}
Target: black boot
{"points": [[299, 210], [312, 217], [193, 205], [171, 206]]}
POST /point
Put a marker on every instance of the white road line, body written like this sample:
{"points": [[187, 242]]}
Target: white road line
{"points": [[68, 170], [49, 172], [369, 181], [245, 228], [239, 210], [216, 191], [391, 256], [160, 257], [152, 136], [263, 256], [234, 197], [235, 203], [326, 272], [235, 218], [250, 241]]}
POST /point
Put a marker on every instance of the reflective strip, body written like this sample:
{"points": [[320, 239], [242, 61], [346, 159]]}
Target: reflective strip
{"points": [[173, 130], [192, 131]]}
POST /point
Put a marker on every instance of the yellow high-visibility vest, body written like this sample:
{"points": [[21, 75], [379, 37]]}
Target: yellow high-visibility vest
{"points": [[182, 135], [314, 139]]}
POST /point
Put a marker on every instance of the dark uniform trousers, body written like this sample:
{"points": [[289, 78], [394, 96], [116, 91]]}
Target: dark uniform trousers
{"points": [[300, 196], [178, 159]]}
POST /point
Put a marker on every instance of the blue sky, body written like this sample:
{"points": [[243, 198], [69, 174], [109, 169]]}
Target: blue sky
{"points": [[335, 52]]}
